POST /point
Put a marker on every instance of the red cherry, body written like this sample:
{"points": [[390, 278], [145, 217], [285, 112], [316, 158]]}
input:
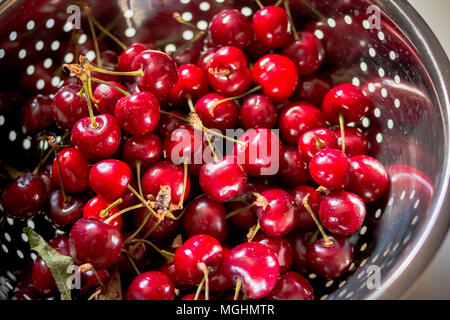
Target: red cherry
{"points": [[164, 230], [256, 266], [204, 59], [231, 28], [292, 286], [369, 178], [127, 56], [297, 118], [94, 210], [219, 280], [315, 197], [197, 249], [257, 111], [146, 149], [59, 241], [151, 285], [281, 247], [110, 178], [356, 143], [223, 116], [331, 169], [138, 114], [68, 107], [300, 243], [97, 143], [74, 171], [277, 75], [271, 27], [330, 261], [312, 89], [94, 242], [168, 268], [342, 213], [191, 296], [315, 140], [64, 214], [168, 123], [89, 280], [245, 219], [224, 180], [109, 61], [293, 170], [192, 80], [107, 97], [41, 276], [36, 113]]}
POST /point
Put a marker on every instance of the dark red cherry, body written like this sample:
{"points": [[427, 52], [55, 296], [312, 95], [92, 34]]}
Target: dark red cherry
{"points": [[271, 27], [224, 180], [277, 75], [257, 111], [97, 143], [305, 220], [256, 266], [138, 252], [191, 296], [164, 230], [219, 281], [331, 169], [223, 116], [307, 53], [146, 149], [348, 100], [25, 196], [40, 80], [138, 114], [204, 59], [64, 214], [59, 241], [168, 268], [281, 247], [68, 107], [197, 249], [300, 242], [89, 280], [315, 140], [205, 216], [169, 123], [126, 58], [95, 207], [41, 276], [228, 71], [159, 72], [36, 113], [262, 153], [110, 178], [231, 28], [292, 286], [107, 97], [151, 285], [369, 178], [297, 118], [312, 89], [245, 219], [330, 260], [293, 170], [356, 143], [280, 216], [74, 171], [95, 242]]}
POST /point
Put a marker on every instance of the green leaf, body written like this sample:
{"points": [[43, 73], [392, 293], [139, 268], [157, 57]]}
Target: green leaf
{"points": [[57, 263]]}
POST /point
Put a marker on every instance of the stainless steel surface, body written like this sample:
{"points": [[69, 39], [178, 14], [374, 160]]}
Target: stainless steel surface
{"points": [[402, 67]]}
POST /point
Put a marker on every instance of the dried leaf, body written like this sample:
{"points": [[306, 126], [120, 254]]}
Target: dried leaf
{"points": [[113, 289]]}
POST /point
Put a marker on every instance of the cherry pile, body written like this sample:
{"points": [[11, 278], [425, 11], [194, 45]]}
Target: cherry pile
{"points": [[129, 199]]}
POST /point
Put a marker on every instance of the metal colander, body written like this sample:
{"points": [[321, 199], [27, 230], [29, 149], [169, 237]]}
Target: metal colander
{"points": [[400, 65]]}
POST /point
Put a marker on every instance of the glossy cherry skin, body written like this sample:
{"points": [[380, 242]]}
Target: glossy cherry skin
{"points": [[219, 281], [74, 171], [257, 111], [205, 216], [151, 285], [138, 114], [356, 143], [224, 180], [312, 89], [95, 242], [280, 246], [262, 153], [89, 280], [97, 143], [64, 214], [348, 100], [164, 230], [168, 268], [292, 286], [126, 58], [369, 178], [94, 207], [59, 241], [342, 213], [280, 216], [205, 57], [223, 116], [166, 174], [36, 113], [271, 27], [300, 242], [277, 75], [138, 251], [293, 170], [192, 81], [245, 219], [110, 178], [228, 71], [107, 97], [25, 196], [159, 72], [331, 169], [256, 266], [308, 145], [169, 123], [146, 149], [307, 53], [231, 28], [197, 249], [330, 261], [305, 221], [297, 118], [68, 107]]}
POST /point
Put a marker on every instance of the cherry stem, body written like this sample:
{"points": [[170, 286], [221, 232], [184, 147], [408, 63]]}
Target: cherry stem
{"points": [[238, 288], [313, 216], [137, 73], [177, 16], [45, 158], [173, 115], [215, 104], [96, 293], [291, 20], [104, 213], [12, 172], [112, 86], [52, 143], [149, 232], [190, 103], [313, 9], [133, 264], [202, 266], [320, 144], [138, 177], [145, 203], [253, 231], [118, 214], [342, 126], [314, 237], [199, 289], [323, 189], [260, 5], [211, 146], [94, 36], [237, 211], [86, 86], [166, 254], [109, 34], [219, 72]]}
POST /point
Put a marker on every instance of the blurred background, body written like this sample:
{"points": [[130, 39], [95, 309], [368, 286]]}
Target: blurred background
{"points": [[435, 281]]}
